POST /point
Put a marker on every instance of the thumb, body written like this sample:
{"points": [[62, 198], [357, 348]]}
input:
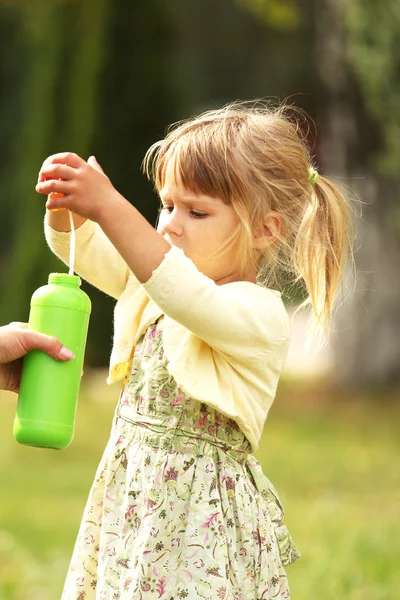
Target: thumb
{"points": [[92, 161], [32, 340]]}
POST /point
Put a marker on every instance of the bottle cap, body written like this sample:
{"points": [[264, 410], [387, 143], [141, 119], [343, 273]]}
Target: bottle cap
{"points": [[65, 279]]}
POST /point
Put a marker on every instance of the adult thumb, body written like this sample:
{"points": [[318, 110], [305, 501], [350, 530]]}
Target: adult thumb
{"points": [[92, 161], [51, 345]]}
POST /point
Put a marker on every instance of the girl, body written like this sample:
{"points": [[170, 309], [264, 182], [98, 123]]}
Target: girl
{"points": [[180, 507]]}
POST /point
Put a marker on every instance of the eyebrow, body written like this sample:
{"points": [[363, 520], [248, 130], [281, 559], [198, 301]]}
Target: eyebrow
{"points": [[191, 199]]}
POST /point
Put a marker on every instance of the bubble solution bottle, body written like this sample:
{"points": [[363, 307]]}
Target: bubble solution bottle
{"points": [[49, 388]]}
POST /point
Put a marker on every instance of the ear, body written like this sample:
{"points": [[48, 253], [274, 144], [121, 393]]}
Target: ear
{"points": [[269, 233]]}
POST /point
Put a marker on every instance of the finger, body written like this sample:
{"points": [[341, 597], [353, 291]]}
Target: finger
{"points": [[68, 158], [58, 202], [53, 186], [47, 161], [33, 340], [92, 161], [50, 198], [73, 159], [56, 171]]}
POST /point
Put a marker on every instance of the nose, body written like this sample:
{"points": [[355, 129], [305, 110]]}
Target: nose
{"points": [[171, 224]]}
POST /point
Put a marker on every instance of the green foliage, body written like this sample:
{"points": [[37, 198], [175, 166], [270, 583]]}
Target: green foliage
{"points": [[31, 142], [41, 28], [284, 15], [87, 50], [373, 40]]}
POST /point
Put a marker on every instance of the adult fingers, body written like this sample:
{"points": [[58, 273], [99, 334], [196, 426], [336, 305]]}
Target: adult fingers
{"points": [[32, 340]]}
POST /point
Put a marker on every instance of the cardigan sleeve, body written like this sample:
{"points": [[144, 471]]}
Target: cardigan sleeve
{"points": [[241, 319], [96, 259]]}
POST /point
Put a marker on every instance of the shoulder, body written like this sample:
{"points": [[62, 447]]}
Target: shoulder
{"points": [[253, 289], [265, 310], [257, 294]]}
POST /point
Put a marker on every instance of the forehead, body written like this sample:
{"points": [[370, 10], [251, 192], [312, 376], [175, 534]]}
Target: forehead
{"points": [[174, 189]]}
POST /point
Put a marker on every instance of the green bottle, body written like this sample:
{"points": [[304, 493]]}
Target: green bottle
{"points": [[49, 388]]}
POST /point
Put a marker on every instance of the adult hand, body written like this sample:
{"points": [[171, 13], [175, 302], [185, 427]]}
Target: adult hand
{"points": [[80, 186], [15, 341]]}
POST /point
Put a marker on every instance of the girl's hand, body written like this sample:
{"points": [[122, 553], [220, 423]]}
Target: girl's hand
{"points": [[84, 186]]}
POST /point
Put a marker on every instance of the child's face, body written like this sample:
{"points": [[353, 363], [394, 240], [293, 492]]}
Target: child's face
{"points": [[198, 236]]}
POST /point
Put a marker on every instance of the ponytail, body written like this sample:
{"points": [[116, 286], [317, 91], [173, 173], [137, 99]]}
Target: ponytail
{"points": [[322, 249]]}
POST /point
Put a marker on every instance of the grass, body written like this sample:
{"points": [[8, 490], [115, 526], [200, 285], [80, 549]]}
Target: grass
{"points": [[333, 459]]}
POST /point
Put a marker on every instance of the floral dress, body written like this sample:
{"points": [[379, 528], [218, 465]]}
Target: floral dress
{"points": [[179, 507]]}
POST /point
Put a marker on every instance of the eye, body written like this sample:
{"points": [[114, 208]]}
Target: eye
{"points": [[196, 215]]}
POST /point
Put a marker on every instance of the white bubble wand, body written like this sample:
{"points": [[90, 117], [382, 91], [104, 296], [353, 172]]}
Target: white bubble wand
{"points": [[71, 245], [73, 237]]}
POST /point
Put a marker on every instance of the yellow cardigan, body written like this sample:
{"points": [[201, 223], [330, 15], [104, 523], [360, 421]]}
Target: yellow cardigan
{"points": [[226, 345]]}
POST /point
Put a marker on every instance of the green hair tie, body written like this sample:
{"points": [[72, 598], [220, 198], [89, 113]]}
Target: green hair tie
{"points": [[312, 175]]}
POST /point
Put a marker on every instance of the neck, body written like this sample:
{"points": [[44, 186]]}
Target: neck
{"points": [[236, 277]]}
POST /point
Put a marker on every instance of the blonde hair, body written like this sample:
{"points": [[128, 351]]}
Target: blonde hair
{"points": [[253, 157]]}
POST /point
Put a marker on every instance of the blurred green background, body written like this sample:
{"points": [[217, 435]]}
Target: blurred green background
{"points": [[106, 78]]}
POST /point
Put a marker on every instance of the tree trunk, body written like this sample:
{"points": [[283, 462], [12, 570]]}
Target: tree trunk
{"points": [[365, 339]]}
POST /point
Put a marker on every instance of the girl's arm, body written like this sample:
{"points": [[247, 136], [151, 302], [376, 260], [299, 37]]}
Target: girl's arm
{"points": [[96, 259], [238, 318], [59, 220]]}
